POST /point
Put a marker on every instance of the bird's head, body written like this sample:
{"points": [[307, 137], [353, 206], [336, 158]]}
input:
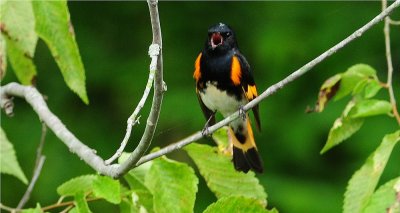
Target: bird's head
{"points": [[221, 38]]}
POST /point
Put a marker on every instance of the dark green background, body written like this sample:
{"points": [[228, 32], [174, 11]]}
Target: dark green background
{"points": [[276, 37]]}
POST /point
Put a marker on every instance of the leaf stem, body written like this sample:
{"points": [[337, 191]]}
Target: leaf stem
{"points": [[67, 203]]}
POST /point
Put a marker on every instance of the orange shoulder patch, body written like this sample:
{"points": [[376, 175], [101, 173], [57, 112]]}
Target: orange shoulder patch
{"points": [[236, 71], [197, 73], [251, 92]]}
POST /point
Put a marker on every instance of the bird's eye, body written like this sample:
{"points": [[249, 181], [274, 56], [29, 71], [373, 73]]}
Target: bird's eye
{"points": [[226, 35]]}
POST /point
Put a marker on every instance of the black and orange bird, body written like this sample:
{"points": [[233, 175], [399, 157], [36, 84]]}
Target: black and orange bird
{"points": [[224, 83]]}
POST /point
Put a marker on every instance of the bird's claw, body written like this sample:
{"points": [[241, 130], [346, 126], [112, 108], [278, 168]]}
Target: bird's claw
{"points": [[205, 131], [242, 113]]}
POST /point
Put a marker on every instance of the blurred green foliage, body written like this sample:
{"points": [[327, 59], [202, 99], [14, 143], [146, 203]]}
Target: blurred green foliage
{"points": [[276, 37]]}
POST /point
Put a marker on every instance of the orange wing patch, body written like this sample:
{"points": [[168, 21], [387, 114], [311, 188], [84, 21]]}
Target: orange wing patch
{"points": [[251, 92], [236, 71], [197, 73]]}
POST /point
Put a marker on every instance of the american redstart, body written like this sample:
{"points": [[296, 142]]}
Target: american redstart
{"points": [[224, 83]]}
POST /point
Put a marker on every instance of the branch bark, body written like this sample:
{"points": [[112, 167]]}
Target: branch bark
{"points": [[35, 99]]}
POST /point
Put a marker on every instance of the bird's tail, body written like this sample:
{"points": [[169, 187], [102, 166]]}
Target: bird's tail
{"points": [[245, 154]]}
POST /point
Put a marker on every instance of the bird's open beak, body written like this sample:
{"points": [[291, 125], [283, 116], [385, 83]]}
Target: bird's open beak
{"points": [[216, 40]]}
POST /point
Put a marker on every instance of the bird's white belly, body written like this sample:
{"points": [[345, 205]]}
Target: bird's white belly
{"points": [[220, 101]]}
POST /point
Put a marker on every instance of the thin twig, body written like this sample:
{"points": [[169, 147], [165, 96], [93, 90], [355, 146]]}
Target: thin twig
{"points": [[272, 89], [386, 31], [28, 192], [394, 22], [67, 203], [67, 209], [154, 51], [36, 170], [35, 99], [7, 208], [41, 144]]}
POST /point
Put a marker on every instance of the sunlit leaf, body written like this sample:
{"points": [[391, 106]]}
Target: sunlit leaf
{"points": [[107, 188], [237, 204], [363, 183], [126, 206], [136, 181], [222, 179], [372, 88], [82, 183], [371, 107], [342, 128], [8, 159], [173, 185], [38, 209], [327, 91], [352, 77], [19, 38], [18, 24], [22, 64], [53, 25], [386, 198], [80, 203], [221, 139]]}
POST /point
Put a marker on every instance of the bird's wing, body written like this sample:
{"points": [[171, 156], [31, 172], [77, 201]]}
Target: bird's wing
{"points": [[248, 85]]}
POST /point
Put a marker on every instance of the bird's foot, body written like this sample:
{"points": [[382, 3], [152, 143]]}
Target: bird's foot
{"points": [[242, 113]]}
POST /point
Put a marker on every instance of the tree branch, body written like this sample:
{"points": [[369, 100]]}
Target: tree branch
{"points": [[35, 99], [386, 31], [152, 120], [274, 88], [154, 51], [35, 176], [394, 22], [37, 169]]}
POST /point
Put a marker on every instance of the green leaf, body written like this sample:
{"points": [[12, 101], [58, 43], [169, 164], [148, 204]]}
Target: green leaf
{"points": [[18, 24], [359, 87], [53, 25], [371, 107], [8, 159], [18, 28], [3, 57], [107, 188], [221, 138], [126, 206], [372, 88], [74, 210], [173, 185], [136, 181], [79, 184], [343, 128], [80, 203], [38, 209], [222, 179], [363, 183], [22, 64], [237, 204], [327, 91], [385, 198], [136, 176], [352, 77]]}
